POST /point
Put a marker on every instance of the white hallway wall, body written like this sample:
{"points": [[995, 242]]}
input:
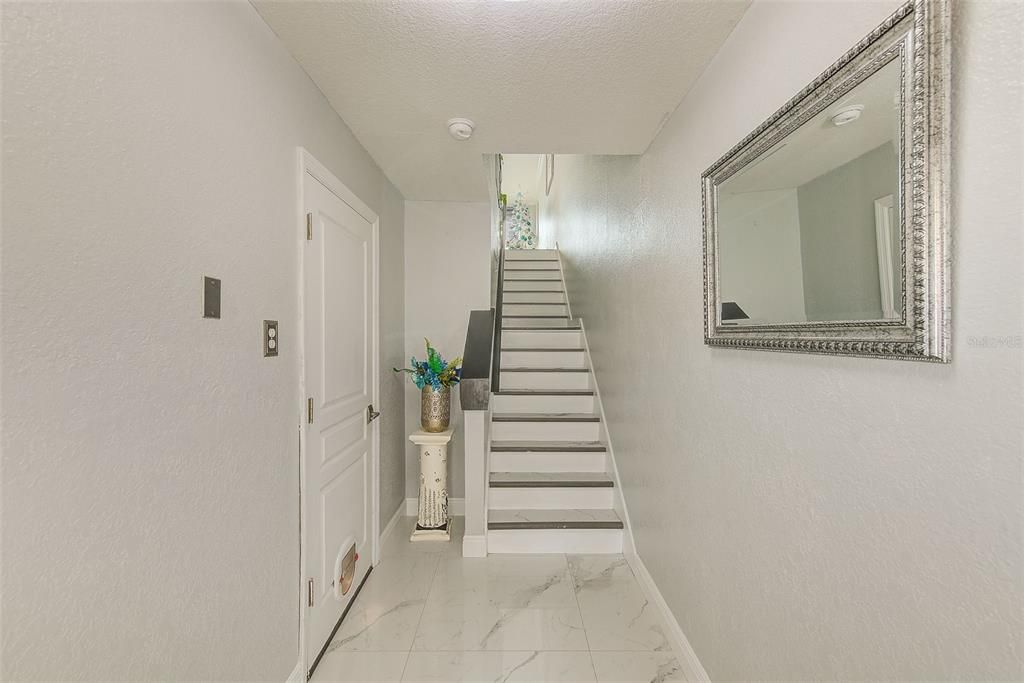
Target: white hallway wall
{"points": [[150, 465], [808, 517], [447, 275]]}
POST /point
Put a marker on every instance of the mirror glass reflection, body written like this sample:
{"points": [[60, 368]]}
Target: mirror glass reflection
{"points": [[810, 230]]}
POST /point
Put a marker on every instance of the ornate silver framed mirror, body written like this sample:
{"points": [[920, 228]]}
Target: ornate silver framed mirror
{"points": [[826, 230]]}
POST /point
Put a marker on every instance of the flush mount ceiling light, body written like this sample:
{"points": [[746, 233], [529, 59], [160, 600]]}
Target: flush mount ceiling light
{"points": [[847, 114], [460, 129]]}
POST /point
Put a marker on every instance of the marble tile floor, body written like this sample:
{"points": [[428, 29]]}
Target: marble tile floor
{"points": [[428, 614]]}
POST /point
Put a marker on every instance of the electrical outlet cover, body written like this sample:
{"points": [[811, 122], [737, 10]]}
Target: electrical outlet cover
{"points": [[271, 342]]}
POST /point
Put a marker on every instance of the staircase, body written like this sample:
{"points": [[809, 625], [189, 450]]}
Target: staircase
{"points": [[550, 487]]}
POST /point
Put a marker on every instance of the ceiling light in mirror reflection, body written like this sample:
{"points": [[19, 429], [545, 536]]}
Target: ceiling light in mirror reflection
{"points": [[810, 230]]}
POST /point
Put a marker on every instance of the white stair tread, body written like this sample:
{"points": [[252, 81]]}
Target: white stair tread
{"points": [[530, 331], [547, 446], [545, 369], [545, 417], [550, 349], [550, 479], [553, 519], [543, 392]]}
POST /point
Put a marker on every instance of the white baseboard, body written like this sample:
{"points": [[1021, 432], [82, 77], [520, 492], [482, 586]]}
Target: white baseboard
{"points": [[628, 544], [297, 675], [456, 507], [565, 288], [474, 546], [392, 523], [693, 670]]}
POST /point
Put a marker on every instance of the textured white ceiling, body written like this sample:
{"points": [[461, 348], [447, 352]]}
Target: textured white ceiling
{"points": [[583, 76]]}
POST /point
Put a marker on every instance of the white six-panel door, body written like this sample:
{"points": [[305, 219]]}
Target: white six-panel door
{"points": [[338, 355]]}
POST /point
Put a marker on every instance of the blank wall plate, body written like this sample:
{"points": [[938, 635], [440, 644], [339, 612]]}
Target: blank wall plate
{"points": [[211, 297]]}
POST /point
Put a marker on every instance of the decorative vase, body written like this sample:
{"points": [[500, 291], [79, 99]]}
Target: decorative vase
{"points": [[435, 409]]}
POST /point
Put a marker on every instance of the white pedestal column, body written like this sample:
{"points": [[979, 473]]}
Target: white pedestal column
{"points": [[433, 522]]}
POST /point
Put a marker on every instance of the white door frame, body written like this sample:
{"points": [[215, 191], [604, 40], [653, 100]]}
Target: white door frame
{"points": [[309, 165], [883, 241]]}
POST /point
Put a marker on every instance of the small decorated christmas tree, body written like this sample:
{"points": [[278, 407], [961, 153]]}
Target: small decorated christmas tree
{"points": [[520, 233]]}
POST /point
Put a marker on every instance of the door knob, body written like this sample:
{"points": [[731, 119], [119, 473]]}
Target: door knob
{"points": [[371, 414]]}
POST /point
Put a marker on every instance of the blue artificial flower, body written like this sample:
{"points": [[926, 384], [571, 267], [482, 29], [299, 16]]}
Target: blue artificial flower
{"points": [[435, 370]]}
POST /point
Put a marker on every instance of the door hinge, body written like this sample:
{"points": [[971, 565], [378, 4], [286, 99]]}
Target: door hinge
{"points": [[309, 592], [309, 410], [371, 414], [309, 226]]}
